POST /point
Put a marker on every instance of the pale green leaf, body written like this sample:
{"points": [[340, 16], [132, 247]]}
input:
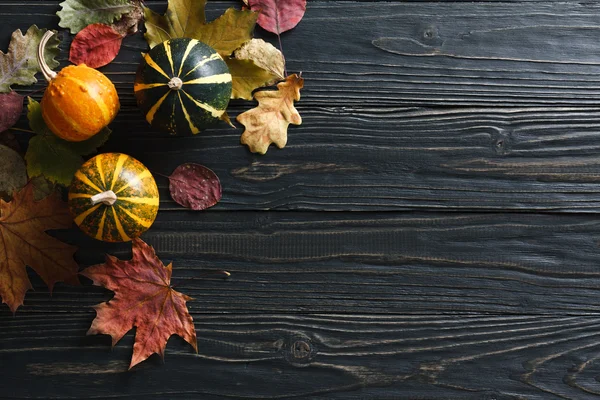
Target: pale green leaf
{"points": [[19, 65], [52, 157], [77, 14]]}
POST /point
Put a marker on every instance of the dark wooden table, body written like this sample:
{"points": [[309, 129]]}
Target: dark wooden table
{"points": [[430, 232]]}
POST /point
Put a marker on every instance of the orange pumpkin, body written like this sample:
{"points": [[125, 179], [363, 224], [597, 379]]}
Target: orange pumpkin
{"points": [[79, 101]]}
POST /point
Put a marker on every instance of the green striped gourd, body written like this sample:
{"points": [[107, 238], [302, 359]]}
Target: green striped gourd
{"points": [[182, 86], [113, 197]]}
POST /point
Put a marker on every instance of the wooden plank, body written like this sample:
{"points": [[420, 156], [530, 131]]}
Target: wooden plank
{"points": [[364, 263], [337, 305], [368, 155], [397, 159], [272, 356], [418, 53]]}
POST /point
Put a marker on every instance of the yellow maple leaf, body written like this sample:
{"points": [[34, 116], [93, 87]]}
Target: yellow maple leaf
{"points": [[269, 121]]}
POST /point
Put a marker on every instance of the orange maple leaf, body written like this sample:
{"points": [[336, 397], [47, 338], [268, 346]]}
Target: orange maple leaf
{"points": [[268, 123], [23, 241], [143, 299]]}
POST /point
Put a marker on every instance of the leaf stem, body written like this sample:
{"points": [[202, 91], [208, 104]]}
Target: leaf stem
{"points": [[21, 130], [283, 55]]}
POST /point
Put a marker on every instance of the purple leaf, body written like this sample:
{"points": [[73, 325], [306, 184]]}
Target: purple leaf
{"points": [[11, 106], [195, 186]]}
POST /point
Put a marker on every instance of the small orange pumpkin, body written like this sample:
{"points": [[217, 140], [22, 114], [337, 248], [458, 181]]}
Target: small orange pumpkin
{"points": [[79, 100]]}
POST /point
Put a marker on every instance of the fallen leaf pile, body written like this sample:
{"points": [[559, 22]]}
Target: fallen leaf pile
{"points": [[23, 241], [144, 299]]}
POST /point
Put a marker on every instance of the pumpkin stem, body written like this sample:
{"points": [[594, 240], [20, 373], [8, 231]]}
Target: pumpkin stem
{"points": [[48, 73], [175, 83], [109, 197]]}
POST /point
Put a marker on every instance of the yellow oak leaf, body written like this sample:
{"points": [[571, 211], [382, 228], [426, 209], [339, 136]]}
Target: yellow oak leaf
{"points": [[269, 121]]}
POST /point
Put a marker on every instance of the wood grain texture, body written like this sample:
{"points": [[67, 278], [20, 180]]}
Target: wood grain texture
{"points": [[374, 136], [316, 356], [411, 109], [338, 305]]}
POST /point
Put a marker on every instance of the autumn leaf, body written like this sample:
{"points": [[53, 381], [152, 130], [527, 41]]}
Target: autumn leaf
{"points": [[129, 23], [268, 123], [52, 157], [13, 173], [246, 77], [264, 55], [185, 18], [19, 65], [228, 32], [77, 14], [143, 300], [182, 19], [11, 106], [96, 45], [195, 186], [278, 16], [23, 242]]}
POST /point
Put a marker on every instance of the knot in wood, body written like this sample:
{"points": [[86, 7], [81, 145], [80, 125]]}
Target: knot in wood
{"points": [[300, 350]]}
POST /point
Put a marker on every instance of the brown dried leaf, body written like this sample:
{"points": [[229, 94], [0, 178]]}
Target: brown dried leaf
{"points": [[23, 241], [143, 299], [268, 123]]}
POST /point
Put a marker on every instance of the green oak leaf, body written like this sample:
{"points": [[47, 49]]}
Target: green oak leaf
{"points": [[185, 18], [247, 76], [19, 65], [52, 157], [77, 14]]}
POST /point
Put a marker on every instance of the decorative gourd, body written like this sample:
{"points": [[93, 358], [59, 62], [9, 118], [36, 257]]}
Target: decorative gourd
{"points": [[79, 100], [182, 86], [113, 197]]}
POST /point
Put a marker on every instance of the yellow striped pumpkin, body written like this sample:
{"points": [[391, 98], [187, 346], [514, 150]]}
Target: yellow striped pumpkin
{"points": [[183, 86], [113, 197]]}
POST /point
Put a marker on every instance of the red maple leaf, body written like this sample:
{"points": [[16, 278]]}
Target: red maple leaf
{"points": [[143, 299]]}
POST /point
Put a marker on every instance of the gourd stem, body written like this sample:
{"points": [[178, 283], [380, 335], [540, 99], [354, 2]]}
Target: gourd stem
{"points": [[109, 197], [175, 83], [46, 71]]}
